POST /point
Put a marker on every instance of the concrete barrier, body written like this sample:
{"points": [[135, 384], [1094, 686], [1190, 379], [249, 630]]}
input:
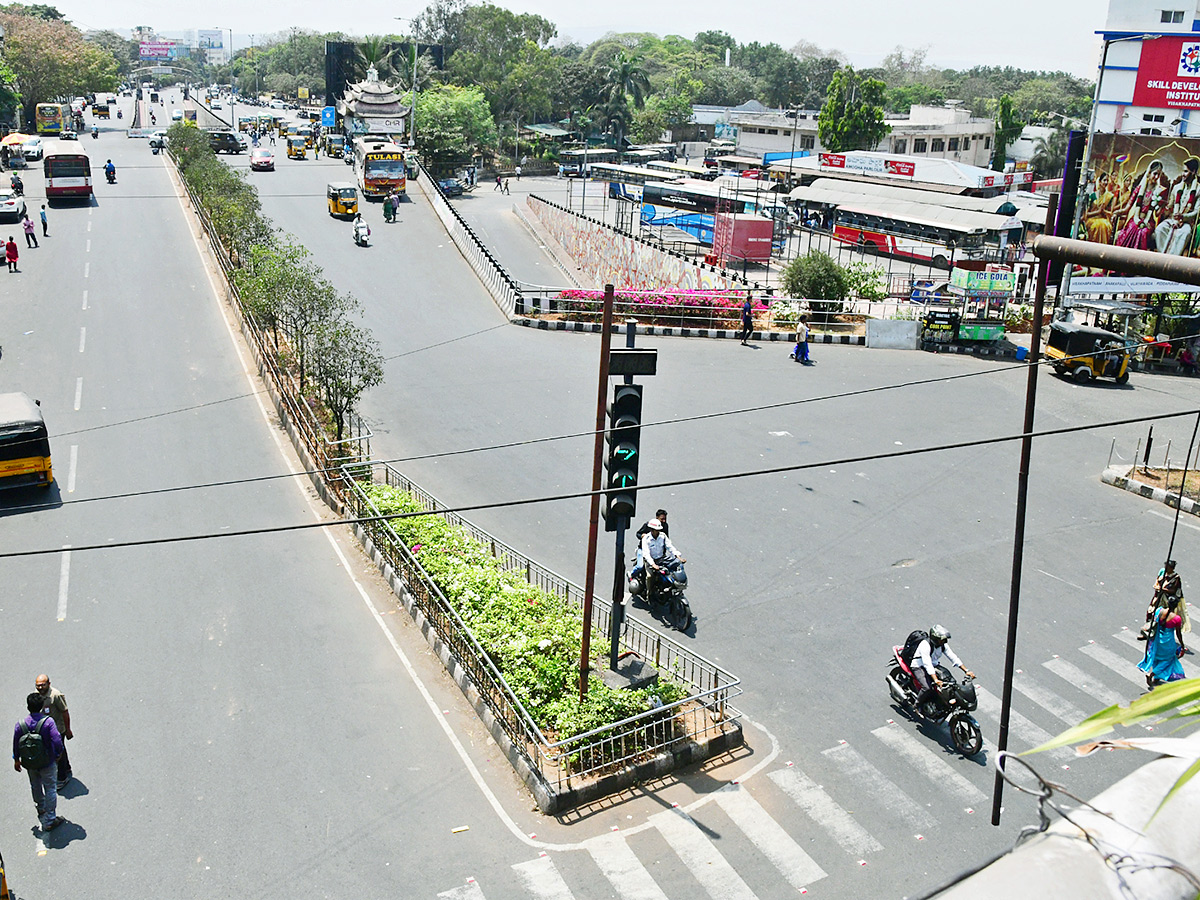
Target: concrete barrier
{"points": [[893, 334]]}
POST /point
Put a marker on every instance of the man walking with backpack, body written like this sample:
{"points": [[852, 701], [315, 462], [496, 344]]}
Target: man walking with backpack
{"points": [[37, 746]]}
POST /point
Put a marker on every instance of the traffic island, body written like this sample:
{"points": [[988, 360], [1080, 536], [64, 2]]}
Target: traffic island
{"points": [[1153, 485]]}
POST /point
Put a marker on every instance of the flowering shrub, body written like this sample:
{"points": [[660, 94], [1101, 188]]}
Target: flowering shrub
{"points": [[692, 309]]}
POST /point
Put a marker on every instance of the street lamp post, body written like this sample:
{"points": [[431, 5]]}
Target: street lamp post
{"points": [[416, 51]]}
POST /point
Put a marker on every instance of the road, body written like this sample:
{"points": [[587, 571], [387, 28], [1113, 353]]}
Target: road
{"points": [[801, 581]]}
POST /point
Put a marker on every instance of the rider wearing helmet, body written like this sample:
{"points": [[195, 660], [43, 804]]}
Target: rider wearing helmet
{"points": [[928, 656]]}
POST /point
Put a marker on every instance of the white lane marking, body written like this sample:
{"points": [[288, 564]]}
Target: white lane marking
{"points": [[89, 242], [769, 837], [1163, 515], [918, 755], [1063, 580], [821, 808], [87, 269], [89, 228], [623, 869], [1130, 638], [64, 582], [1027, 730], [1082, 680], [702, 859], [82, 337], [881, 789], [1059, 707], [541, 880], [71, 469], [469, 891], [85, 299], [1126, 668], [78, 392]]}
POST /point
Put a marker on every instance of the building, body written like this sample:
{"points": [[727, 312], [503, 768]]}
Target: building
{"points": [[934, 132], [372, 106], [1149, 76], [925, 173]]}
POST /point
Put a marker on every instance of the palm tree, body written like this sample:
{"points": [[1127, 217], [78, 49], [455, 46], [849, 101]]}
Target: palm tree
{"points": [[1050, 154], [625, 82], [372, 51]]}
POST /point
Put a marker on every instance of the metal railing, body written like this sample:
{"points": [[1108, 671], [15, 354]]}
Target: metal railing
{"points": [[494, 276], [706, 713], [329, 455]]}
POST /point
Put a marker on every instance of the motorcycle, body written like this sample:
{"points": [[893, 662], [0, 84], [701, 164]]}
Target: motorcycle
{"points": [[362, 235], [663, 590], [95, 132], [110, 176], [18, 187], [119, 116], [953, 702]]}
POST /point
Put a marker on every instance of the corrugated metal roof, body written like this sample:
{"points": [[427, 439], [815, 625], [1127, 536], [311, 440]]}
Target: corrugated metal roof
{"points": [[890, 207]]}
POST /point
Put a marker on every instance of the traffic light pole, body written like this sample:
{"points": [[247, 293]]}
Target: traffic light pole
{"points": [[618, 593], [597, 464]]}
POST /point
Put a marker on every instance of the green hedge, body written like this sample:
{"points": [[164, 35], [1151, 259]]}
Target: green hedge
{"points": [[533, 637]]}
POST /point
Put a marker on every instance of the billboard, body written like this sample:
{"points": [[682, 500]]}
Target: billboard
{"points": [[210, 39], [1143, 193], [868, 164], [157, 49], [1168, 73]]}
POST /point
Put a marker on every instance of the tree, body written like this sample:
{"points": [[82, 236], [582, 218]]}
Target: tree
{"points": [[125, 52], [807, 51], [625, 84], [1050, 154], [726, 86], [34, 10], [346, 364], [373, 51], [818, 279], [455, 123], [852, 117], [813, 77], [51, 59], [1008, 128]]}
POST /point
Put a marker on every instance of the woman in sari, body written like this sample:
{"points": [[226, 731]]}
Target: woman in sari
{"points": [[1161, 662], [1098, 219], [1142, 209]]}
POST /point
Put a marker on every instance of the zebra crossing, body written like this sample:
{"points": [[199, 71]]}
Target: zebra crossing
{"points": [[781, 835]]}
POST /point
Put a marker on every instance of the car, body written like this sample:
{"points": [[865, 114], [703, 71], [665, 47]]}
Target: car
{"points": [[33, 148], [225, 141], [262, 159], [177, 115], [11, 204], [68, 134], [216, 104], [450, 187], [276, 104], [158, 139]]}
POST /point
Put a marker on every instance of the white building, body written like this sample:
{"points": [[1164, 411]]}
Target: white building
{"points": [[928, 132], [1149, 77]]}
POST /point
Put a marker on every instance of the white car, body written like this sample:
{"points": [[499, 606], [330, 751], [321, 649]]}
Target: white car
{"points": [[276, 104], [177, 115], [33, 148], [11, 204]]}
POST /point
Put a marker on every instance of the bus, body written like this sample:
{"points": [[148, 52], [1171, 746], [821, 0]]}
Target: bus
{"points": [[682, 170], [50, 117], [625, 181], [380, 167], [67, 170], [690, 206], [24, 443]]}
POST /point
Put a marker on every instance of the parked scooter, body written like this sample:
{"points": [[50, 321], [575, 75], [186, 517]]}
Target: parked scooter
{"points": [[663, 590], [953, 703]]}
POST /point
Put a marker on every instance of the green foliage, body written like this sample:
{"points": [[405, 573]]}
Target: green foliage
{"points": [[852, 117], [818, 279], [532, 636], [1009, 125], [866, 281], [725, 86], [1050, 154], [50, 59], [626, 87], [454, 123], [34, 10]]}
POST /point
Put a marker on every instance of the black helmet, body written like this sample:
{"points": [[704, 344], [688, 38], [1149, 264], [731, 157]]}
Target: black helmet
{"points": [[938, 634]]}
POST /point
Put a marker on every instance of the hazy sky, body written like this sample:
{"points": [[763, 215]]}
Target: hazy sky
{"points": [[1046, 34]]}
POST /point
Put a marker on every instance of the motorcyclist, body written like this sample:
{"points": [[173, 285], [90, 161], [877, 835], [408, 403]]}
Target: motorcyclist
{"points": [[110, 171], [660, 516], [362, 230], [95, 131], [18, 185], [928, 656], [657, 547]]}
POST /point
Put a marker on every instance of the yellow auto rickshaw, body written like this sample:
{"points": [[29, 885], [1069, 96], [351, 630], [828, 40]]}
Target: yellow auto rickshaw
{"points": [[297, 148], [343, 198], [306, 132], [335, 145], [1085, 353]]}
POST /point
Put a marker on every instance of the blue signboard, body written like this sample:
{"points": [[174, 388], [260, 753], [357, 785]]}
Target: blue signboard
{"points": [[329, 117]]}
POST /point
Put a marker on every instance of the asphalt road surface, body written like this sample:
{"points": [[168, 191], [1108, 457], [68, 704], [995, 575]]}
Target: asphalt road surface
{"points": [[288, 750]]}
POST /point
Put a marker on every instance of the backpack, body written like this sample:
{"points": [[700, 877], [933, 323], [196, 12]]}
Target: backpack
{"points": [[31, 746], [911, 644]]}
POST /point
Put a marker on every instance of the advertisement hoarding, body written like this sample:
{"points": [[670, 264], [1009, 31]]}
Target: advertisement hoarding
{"points": [[210, 39], [156, 49], [1169, 73], [1143, 193]]}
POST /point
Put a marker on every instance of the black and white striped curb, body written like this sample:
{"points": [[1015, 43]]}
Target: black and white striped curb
{"points": [[1119, 476], [970, 349], [859, 340]]}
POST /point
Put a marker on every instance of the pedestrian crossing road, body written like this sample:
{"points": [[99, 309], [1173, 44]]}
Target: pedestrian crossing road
{"points": [[795, 832]]}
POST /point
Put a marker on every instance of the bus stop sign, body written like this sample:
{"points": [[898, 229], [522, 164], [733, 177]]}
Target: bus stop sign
{"points": [[329, 117]]}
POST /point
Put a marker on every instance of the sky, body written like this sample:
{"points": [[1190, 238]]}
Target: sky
{"points": [[1027, 34]]}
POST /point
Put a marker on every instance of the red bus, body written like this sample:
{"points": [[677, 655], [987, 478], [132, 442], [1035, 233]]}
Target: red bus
{"points": [[68, 171]]}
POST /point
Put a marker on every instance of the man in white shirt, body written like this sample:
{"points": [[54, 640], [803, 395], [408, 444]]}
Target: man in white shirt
{"points": [[928, 656]]}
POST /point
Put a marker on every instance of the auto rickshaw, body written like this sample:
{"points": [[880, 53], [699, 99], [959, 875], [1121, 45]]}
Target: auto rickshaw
{"points": [[100, 111], [306, 132], [297, 148], [1085, 353], [335, 145], [343, 198]]}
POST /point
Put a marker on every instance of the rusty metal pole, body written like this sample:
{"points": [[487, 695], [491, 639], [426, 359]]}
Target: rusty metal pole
{"points": [[589, 581], [1014, 596]]}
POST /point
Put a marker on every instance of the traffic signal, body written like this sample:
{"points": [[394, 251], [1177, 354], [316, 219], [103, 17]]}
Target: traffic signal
{"points": [[624, 454]]}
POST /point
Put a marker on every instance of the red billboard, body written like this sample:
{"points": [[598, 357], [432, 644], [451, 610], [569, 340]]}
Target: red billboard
{"points": [[1169, 73]]}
